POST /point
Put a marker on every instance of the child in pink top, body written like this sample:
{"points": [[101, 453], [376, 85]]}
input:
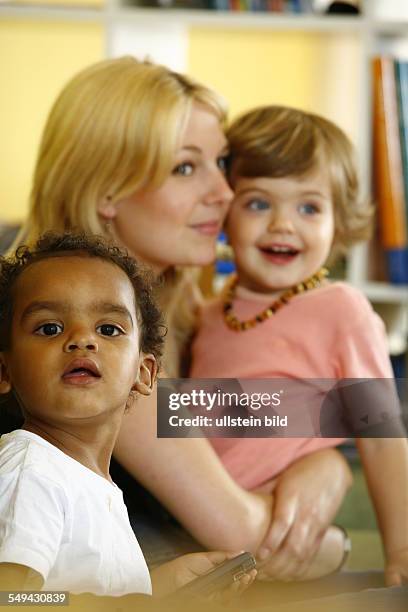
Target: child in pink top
{"points": [[296, 205]]}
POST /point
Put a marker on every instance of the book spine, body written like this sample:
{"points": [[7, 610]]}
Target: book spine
{"points": [[388, 173], [401, 74]]}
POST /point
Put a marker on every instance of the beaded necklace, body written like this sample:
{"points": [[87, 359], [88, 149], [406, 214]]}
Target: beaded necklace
{"points": [[235, 324]]}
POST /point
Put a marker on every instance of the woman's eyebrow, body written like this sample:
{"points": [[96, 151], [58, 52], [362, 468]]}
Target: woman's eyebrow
{"points": [[193, 148]]}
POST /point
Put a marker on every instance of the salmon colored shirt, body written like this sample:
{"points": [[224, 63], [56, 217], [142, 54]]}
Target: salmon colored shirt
{"points": [[329, 332]]}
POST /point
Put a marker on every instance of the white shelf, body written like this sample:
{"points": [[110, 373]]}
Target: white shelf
{"points": [[214, 18], [51, 13], [384, 293], [390, 28], [232, 19]]}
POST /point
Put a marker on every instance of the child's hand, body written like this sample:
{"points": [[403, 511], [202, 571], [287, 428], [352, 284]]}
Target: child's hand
{"points": [[396, 568], [171, 576]]}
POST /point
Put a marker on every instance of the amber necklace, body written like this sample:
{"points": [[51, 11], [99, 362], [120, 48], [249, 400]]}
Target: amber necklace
{"points": [[233, 323]]}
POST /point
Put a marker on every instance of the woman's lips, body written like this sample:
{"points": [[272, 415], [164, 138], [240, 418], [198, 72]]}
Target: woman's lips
{"points": [[209, 228]]}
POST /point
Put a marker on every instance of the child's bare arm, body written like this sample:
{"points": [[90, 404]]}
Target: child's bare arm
{"points": [[171, 576], [385, 462]]}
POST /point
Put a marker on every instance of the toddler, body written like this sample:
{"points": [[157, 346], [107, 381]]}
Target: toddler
{"points": [[296, 204], [79, 336]]}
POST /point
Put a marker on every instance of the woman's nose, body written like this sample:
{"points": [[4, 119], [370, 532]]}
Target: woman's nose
{"points": [[218, 190], [81, 339]]}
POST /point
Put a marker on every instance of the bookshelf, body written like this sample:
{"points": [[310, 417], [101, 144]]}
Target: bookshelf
{"points": [[162, 34]]}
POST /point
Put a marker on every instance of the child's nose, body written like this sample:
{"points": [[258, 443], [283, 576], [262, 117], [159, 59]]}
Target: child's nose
{"points": [[280, 221], [81, 340]]}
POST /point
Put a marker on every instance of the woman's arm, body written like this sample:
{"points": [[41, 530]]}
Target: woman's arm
{"points": [[190, 481], [307, 496]]}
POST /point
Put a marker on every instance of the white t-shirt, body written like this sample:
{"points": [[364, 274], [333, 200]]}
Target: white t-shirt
{"points": [[65, 521]]}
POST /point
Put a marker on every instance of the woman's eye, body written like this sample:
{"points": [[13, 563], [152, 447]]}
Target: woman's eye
{"points": [[257, 205], [222, 163], [107, 329], [185, 169], [49, 329], [309, 209]]}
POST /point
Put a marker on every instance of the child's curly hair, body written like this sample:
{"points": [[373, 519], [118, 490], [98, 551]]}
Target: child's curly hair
{"points": [[278, 141], [152, 330]]}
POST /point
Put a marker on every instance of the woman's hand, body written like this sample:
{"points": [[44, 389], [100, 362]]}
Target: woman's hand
{"points": [[171, 576], [307, 496]]}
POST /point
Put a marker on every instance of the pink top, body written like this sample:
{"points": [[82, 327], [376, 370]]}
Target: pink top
{"points": [[330, 332]]}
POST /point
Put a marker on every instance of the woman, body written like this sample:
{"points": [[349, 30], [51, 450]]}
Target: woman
{"points": [[137, 152]]}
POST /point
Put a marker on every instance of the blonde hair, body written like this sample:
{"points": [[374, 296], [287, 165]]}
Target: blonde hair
{"points": [[277, 141], [113, 130]]}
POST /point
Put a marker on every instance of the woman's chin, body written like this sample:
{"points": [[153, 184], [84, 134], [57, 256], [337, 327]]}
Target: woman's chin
{"points": [[205, 260]]}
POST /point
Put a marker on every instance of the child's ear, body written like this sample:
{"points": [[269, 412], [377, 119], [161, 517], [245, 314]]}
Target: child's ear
{"points": [[5, 384], [146, 375]]}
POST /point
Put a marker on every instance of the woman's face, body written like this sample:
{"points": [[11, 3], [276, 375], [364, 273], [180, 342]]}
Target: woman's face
{"points": [[178, 223]]}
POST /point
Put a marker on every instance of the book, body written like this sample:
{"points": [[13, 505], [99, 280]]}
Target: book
{"points": [[388, 170], [401, 80], [401, 76]]}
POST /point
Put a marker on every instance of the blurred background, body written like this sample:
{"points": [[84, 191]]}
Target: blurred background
{"points": [[333, 58]]}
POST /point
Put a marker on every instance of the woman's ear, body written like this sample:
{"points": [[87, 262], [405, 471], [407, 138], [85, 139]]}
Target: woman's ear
{"points": [[146, 375], [106, 209], [5, 383]]}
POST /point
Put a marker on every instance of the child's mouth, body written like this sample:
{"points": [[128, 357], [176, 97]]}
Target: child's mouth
{"points": [[81, 372], [279, 254]]}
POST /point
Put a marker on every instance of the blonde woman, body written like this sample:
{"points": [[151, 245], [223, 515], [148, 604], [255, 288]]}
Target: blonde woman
{"points": [[137, 152]]}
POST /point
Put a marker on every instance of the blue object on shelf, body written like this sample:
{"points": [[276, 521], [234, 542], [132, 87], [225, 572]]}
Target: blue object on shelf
{"points": [[224, 267], [397, 266]]}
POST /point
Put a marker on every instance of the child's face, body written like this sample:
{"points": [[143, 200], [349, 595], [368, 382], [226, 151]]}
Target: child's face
{"points": [[281, 229], [74, 343]]}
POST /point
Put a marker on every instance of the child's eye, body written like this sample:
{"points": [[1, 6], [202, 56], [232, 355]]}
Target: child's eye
{"points": [[107, 329], [257, 205], [309, 209], [222, 163], [185, 169], [49, 329]]}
